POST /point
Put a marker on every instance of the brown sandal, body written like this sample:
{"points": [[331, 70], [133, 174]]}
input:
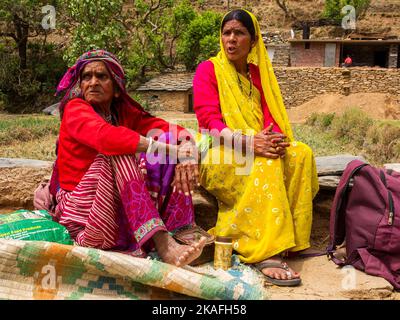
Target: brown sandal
{"points": [[279, 282]]}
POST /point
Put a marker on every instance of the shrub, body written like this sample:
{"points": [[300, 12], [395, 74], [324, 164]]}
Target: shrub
{"points": [[382, 143], [320, 120], [352, 126], [32, 89]]}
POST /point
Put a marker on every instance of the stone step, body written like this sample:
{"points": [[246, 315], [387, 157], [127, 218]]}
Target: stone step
{"points": [[20, 177], [23, 163], [335, 165], [18, 180]]}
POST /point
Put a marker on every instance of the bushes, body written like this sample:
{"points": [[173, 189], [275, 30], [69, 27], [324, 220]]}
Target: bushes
{"points": [[352, 126], [382, 143], [377, 141], [32, 89], [201, 39], [321, 120]]}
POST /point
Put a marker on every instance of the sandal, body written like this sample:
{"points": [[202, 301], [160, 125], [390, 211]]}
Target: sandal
{"points": [[279, 282]]}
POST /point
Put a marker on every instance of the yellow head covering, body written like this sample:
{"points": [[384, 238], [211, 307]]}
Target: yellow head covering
{"points": [[236, 110]]}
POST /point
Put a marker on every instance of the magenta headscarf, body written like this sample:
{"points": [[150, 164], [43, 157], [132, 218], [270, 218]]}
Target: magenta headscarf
{"points": [[70, 82]]}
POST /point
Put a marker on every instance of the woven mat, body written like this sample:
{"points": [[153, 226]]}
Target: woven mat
{"points": [[46, 270]]}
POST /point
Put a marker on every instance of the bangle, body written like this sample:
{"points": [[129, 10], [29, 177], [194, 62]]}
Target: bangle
{"points": [[150, 146]]}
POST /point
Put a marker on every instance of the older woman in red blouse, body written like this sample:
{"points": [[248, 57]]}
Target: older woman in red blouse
{"points": [[106, 197]]}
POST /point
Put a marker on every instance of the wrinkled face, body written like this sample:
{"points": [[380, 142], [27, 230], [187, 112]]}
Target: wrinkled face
{"points": [[97, 85], [236, 40]]}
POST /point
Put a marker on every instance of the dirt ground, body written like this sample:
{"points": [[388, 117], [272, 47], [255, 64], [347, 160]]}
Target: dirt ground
{"points": [[376, 105]]}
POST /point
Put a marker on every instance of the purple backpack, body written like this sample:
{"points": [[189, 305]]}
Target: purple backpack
{"points": [[367, 217]]}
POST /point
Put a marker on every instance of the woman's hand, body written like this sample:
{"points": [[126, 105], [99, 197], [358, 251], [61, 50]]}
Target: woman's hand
{"points": [[270, 144], [186, 177]]}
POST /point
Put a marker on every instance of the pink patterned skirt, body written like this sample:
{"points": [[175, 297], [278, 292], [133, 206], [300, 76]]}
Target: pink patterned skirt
{"points": [[117, 206]]}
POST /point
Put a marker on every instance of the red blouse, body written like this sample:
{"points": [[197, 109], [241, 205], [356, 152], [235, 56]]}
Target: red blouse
{"points": [[206, 98], [84, 134]]}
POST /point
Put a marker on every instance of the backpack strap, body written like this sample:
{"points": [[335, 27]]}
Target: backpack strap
{"points": [[337, 227]]}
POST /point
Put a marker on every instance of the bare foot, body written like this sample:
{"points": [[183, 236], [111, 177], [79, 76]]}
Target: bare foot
{"points": [[174, 253], [279, 273]]}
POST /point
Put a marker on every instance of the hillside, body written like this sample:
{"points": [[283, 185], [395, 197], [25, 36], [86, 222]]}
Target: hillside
{"points": [[382, 18]]}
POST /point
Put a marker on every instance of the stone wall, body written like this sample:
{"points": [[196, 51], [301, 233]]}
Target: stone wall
{"points": [[299, 85], [18, 180], [281, 54], [166, 100]]}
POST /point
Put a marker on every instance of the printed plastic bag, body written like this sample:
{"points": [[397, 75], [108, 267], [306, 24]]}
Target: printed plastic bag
{"points": [[32, 225]]}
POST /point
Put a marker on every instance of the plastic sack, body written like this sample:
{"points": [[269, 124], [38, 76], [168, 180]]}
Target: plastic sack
{"points": [[32, 225]]}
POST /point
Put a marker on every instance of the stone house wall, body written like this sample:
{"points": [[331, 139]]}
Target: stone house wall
{"points": [[394, 56], [299, 85], [166, 100]]}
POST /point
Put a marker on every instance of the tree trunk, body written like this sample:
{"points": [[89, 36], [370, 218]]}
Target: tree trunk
{"points": [[22, 31]]}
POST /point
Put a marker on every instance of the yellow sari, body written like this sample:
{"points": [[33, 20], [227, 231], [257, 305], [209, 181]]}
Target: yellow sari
{"points": [[269, 210]]}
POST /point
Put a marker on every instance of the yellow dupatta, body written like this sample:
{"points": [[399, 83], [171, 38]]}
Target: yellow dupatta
{"points": [[237, 110]]}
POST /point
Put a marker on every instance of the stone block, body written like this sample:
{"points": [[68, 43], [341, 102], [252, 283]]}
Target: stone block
{"points": [[18, 180], [334, 165]]}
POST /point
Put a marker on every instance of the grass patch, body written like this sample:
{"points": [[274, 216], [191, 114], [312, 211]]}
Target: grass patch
{"points": [[28, 136], [34, 136], [320, 141], [188, 124], [23, 128]]}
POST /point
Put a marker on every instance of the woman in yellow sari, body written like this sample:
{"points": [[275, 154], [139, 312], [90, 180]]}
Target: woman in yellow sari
{"points": [[267, 210]]}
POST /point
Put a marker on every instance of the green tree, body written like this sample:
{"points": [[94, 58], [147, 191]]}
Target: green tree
{"points": [[333, 8], [154, 35], [29, 66], [21, 20], [200, 40], [94, 24], [142, 33]]}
